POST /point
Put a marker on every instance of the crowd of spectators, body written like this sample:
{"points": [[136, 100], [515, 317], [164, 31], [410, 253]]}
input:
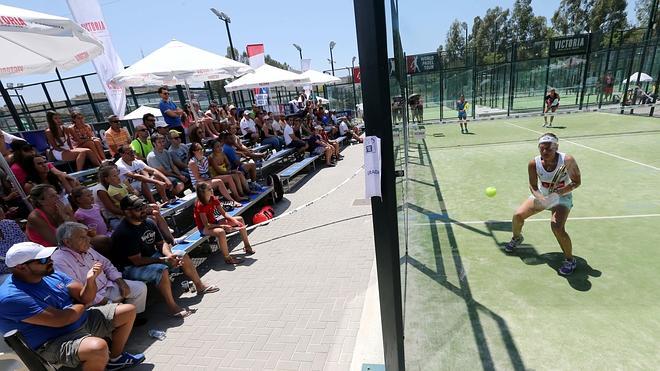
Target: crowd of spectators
{"points": [[91, 251]]}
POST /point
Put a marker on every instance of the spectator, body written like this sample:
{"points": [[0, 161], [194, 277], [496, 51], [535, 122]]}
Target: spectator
{"points": [[161, 128], [249, 169], [219, 169], [87, 212], [249, 127], [171, 113], [116, 136], [142, 176], [196, 135], [332, 143], [22, 149], [318, 147], [218, 117], [82, 135], [160, 160], [38, 172], [60, 143], [142, 143], [49, 309], [204, 214], [232, 116], [292, 140], [141, 254], [279, 121], [344, 130], [6, 140], [10, 199], [242, 149], [10, 234], [269, 135], [199, 173], [179, 153], [75, 258], [149, 122]]}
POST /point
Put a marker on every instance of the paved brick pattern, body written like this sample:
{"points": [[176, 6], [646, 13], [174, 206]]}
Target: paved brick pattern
{"points": [[295, 305]]}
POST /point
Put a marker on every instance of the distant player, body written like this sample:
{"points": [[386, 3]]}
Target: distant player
{"points": [[462, 115], [551, 104], [548, 195]]}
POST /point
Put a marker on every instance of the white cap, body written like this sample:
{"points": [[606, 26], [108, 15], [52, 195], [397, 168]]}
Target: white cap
{"points": [[26, 251], [161, 124], [548, 139]]}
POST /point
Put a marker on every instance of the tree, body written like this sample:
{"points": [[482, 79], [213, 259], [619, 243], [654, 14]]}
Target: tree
{"points": [[606, 15], [455, 44], [522, 19], [538, 28], [571, 17], [275, 63], [491, 34], [643, 11]]}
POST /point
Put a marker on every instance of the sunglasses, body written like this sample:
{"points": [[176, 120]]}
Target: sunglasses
{"points": [[165, 93], [114, 122], [141, 130], [129, 153], [42, 261]]}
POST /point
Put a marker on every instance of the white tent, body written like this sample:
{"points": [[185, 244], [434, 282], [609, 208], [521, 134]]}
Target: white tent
{"points": [[33, 43], [136, 115], [267, 76], [179, 63], [642, 78], [319, 78]]}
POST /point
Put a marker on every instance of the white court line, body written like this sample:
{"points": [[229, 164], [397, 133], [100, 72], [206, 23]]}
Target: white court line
{"points": [[593, 149], [473, 222]]}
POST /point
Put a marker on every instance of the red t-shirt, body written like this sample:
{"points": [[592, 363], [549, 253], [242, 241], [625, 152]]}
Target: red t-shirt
{"points": [[208, 210]]}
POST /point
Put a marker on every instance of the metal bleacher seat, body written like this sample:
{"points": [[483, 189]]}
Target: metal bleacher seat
{"points": [[287, 174]]}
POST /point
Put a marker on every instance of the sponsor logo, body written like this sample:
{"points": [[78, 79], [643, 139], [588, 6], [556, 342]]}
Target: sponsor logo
{"points": [[12, 21], [94, 26], [572, 43], [82, 56], [11, 69]]}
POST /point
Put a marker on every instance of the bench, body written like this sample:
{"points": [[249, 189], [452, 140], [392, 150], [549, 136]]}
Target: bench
{"points": [[86, 177], [194, 238], [29, 357], [260, 148], [288, 173], [275, 159]]}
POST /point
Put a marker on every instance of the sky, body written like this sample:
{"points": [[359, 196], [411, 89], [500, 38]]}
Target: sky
{"points": [[141, 26]]}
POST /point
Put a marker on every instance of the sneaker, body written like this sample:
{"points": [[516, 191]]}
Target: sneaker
{"points": [[568, 267], [515, 242], [180, 240], [125, 360], [544, 124]]}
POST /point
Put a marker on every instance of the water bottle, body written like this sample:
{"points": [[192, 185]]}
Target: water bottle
{"points": [[157, 334]]}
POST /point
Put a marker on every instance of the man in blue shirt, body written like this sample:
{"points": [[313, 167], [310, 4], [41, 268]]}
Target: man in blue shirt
{"points": [[49, 309], [249, 169], [171, 113]]}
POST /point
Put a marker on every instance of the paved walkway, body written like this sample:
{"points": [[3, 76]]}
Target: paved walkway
{"points": [[294, 305]]}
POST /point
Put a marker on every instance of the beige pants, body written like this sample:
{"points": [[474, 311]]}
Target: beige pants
{"points": [[137, 297]]}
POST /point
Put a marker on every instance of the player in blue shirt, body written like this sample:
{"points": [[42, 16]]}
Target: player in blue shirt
{"points": [[171, 114], [49, 309], [462, 115]]}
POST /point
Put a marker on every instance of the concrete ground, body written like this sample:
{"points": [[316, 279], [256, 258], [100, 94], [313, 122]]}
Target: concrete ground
{"points": [[297, 304]]}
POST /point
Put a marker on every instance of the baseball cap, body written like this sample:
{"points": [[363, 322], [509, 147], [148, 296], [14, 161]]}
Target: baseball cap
{"points": [[161, 124], [246, 113], [231, 107], [25, 251], [174, 133], [131, 202]]}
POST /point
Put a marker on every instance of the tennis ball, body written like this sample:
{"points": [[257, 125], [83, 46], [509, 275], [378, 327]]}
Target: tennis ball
{"points": [[491, 191]]}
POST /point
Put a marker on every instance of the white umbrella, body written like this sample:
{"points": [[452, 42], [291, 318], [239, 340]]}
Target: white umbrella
{"points": [[179, 63], [33, 42], [319, 78], [141, 111], [642, 78], [267, 76]]}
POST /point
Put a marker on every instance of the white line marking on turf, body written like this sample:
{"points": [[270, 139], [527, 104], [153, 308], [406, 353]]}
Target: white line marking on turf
{"points": [[593, 149], [473, 222]]}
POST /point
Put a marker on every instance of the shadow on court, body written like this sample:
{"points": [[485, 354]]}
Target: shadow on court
{"points": [[451, 253], [579, 280]]}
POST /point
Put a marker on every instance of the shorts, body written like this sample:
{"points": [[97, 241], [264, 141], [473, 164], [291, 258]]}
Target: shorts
{"points": [[297, 144], [174, 180], [565, 200], [462, 115], [64, 349], [57, 154], [150, 273], [608, 90], [318, 150]]}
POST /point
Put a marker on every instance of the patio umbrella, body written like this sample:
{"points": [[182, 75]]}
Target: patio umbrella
{"points": [[267, 76], [33, 42], [642, 77], [319, 78]]}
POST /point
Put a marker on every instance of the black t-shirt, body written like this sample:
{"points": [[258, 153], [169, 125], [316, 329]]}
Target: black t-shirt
{"points": [[129, 239]]}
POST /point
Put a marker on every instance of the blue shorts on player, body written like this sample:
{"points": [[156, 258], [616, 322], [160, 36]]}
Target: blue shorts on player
{"points": [[462, 115]]}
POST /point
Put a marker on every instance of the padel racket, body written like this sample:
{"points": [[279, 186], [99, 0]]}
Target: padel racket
{"points": [[559, 174], [555, 103]]}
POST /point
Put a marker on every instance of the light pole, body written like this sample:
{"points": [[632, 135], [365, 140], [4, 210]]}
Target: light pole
{"points": [[332, 61], [299, 52], [225, 18], [353, 79]]}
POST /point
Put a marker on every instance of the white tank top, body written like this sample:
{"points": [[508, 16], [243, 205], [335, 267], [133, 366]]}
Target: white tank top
{"points": [[545, 177]]}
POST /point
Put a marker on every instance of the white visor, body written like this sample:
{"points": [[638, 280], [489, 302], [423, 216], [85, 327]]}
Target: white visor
{"points": [[548, 139]]}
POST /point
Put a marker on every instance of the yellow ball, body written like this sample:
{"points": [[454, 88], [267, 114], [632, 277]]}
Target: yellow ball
{"points": [[491, 191]]}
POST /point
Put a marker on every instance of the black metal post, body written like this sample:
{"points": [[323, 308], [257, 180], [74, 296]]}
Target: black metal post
{"points": [[234, 57], [625, 89], [332, 62], [586, 70], [135, 101], [66, 95], [607, 66], [353, 81], [547, 77], [97, 114], [512, 79], [374, 69], [182, 96], [12, 109], [50, 101]]}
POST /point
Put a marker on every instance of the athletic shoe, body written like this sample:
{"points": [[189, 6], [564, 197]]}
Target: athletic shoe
{"points": [[125, 360], [568, 267], [515, 242], [544, 125], [179, 240]]}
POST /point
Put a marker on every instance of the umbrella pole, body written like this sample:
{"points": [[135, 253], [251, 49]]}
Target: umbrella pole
{"points": [[14, 181], [190, 100]]}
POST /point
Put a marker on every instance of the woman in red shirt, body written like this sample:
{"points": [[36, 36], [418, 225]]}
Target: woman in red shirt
{"points": [[208, 225]]}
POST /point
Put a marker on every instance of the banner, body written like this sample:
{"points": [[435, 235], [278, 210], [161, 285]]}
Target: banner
{"points": [[422, 63], [576, 44], [305, 65], [87, 13], [356, 75], [257, 58]]}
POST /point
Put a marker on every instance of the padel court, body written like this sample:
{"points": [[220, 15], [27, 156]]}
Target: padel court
{"points": [[468, 305]]}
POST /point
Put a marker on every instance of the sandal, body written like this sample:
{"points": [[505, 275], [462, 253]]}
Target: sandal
{"points": [[209, 290], [186, 312], [248, 250], [236, 204], [231, 260]]}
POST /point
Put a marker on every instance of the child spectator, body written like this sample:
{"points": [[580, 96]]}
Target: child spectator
{"points": [[87, 212]]}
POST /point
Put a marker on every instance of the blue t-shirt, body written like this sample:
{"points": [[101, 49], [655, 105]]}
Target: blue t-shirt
{"points": [[20, 300], [231, 154], [460, 105], [172, 122]]}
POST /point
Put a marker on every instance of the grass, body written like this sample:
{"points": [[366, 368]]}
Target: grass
{"points": [[470, 306]]}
